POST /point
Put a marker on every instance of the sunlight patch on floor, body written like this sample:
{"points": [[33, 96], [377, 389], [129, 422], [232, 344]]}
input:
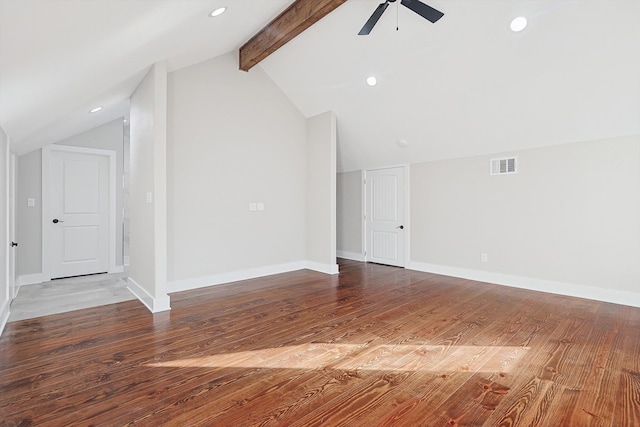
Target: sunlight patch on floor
{"points": [[428, 358]]}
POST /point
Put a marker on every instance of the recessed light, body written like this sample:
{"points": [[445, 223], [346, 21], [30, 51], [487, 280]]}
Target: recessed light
{"points": [[95, 110], [219, 11], [372, 81], [518, 23], [403, 143]]}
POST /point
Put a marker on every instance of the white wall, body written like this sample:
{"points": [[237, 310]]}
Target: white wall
{"points": [[29, 218], [349, 215], [5, 298], [148, 246], [233, 139], [568, 222], [321, 193]]}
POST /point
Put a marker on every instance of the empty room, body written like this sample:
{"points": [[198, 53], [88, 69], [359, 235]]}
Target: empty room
{"points": [[320, 213]]}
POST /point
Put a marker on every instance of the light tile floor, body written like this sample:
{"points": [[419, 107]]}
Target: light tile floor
{"points": [[63, 295]]}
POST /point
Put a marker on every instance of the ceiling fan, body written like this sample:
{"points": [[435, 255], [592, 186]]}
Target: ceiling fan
{"points": [[427, 12]]}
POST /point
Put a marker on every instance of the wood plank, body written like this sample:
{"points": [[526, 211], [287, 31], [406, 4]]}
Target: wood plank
{"points": [[438, 399], [330, 335], [441, 352], [299, 16], [116, 380], [374, 346], [627, 408]]}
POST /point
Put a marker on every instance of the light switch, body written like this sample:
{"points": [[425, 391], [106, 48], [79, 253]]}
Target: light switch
{"points": [[252, 206], [260, 206], [149, 197], [31, 202]]}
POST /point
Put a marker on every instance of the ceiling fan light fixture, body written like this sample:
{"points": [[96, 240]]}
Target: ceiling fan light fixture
{"points": [[424, 10], [372, 81], [518, 24], [95, 110], [217, 12]]}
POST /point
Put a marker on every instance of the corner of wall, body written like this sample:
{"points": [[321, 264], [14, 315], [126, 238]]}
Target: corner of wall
{"points": [[323, 268], [4, 315], [321, 191], [354, 256], [154, 304], [148, 225], [349, 215], [31, 279]]}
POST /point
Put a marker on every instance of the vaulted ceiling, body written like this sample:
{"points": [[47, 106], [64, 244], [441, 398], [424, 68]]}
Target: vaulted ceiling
{"points": [[465, 85]]}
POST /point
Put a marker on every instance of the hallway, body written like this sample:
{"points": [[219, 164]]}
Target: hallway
{"points": [[64, 295]]}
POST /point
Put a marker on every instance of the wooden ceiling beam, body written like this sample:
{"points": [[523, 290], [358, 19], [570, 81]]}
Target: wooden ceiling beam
{"points": [[292, 21]]}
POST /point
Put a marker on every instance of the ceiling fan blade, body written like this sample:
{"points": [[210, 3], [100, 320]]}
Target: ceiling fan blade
{"points": [[371, 22], [427, 12]]}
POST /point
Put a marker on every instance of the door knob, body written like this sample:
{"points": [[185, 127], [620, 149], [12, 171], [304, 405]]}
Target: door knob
{"points": [[401, 227], [56, 220], [13, 244]]}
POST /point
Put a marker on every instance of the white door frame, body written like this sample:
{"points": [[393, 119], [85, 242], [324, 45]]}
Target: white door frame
{"points": [[46, 203], [407, 220], [11, 269]]}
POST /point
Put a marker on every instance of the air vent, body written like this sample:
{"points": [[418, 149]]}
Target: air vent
{"points": [[503, 166]]}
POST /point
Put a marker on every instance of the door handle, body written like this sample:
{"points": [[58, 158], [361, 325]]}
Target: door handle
{"points": [[56, 220], [401, 227], [14, 244]]}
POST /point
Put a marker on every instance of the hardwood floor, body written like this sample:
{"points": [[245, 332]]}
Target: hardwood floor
{"points": [[374, 346]]}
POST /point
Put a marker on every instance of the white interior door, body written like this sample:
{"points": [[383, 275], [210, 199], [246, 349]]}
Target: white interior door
{"points": [[79, 207], [385, 216]]}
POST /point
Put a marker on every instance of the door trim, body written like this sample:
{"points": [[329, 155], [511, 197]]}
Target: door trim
{"points": [[407, 221], [46, 203], [11, 269]]}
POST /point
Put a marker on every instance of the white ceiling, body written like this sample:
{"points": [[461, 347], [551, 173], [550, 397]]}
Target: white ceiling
{"points": [[465, 85], [60, 58]]}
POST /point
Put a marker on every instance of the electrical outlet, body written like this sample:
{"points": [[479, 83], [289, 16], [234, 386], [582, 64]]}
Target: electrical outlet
{"points": [[484, 257]]}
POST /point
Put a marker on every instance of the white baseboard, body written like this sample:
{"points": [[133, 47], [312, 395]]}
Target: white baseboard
{"points": [[4, 315], [155, 305], [234, 276], [350, 255], [252, 273], [32, 279], [117, 269], [589, 292], [323, 268]]}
